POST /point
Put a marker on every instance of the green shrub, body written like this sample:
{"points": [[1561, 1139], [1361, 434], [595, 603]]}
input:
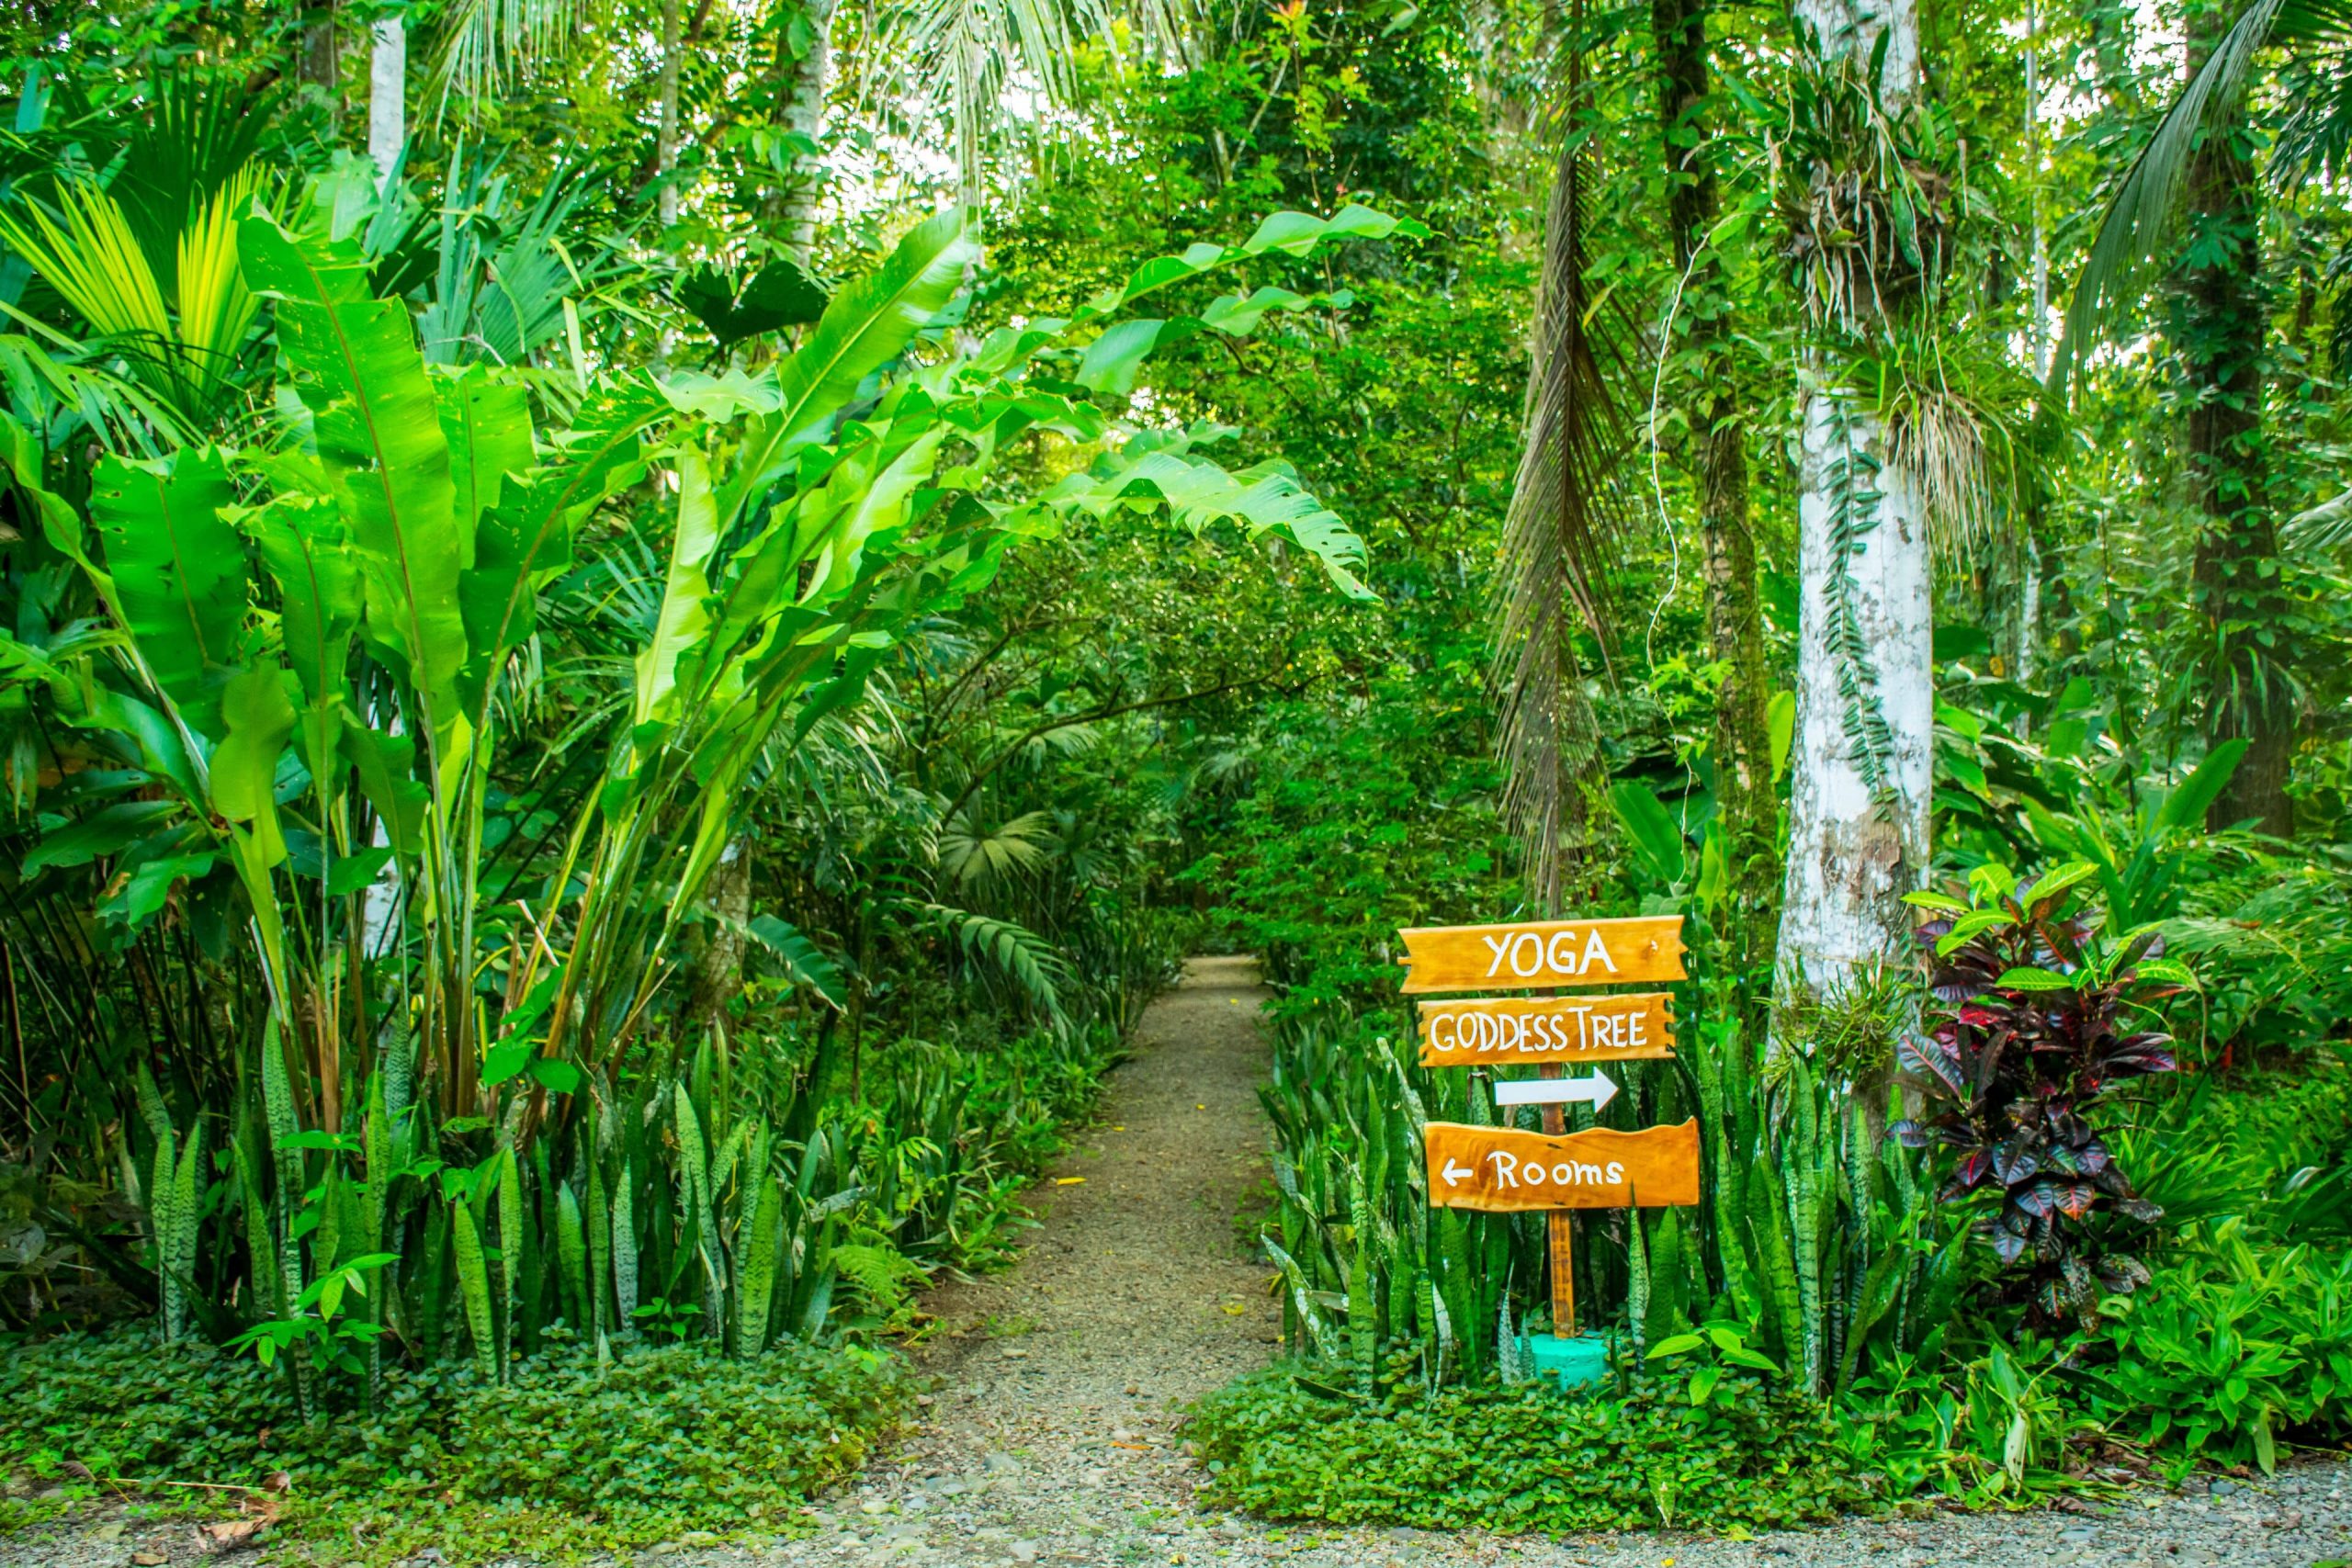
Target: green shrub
{"points": [[660, 1439], [1527, 1458], [2232, 1347]]}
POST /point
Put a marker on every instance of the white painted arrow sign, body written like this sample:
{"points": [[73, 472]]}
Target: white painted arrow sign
{"points": [[1454, 1173], [1599, 1089]]}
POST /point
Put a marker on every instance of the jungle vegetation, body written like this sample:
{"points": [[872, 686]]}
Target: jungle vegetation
{"points": [[634, 635]]}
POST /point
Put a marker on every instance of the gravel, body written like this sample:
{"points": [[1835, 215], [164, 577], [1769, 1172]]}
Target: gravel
{"points": [[1051, 1438]]}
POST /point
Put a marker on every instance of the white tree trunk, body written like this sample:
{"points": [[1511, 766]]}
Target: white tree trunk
{"points": [[1853, 852], [666, 146], [1852, 855], [804, 113], [388, 97]]}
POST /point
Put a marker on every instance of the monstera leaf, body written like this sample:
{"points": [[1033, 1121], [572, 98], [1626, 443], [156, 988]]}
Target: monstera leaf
{"points": [[735, 306]]}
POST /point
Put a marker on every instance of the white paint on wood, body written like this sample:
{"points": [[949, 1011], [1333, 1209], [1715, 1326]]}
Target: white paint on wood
{"points": [[1599, 1089]]}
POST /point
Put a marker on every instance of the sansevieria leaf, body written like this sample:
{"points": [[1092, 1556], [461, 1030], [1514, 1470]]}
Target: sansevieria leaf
{"points": [[473, 1284]]}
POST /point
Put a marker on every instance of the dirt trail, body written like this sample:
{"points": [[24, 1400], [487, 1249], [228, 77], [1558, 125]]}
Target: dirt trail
{"points": [[1051, 1437]]}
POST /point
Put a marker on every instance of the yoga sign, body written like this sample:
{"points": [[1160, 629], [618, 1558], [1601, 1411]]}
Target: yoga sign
{"points": [[1509, 1169], [1543, 953]]}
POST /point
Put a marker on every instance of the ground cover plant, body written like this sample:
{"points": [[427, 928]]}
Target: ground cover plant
{"points": [[567, 1455]]}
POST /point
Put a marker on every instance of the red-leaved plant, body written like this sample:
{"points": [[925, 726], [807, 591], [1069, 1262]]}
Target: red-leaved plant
{"points": [[2036, 1014]]}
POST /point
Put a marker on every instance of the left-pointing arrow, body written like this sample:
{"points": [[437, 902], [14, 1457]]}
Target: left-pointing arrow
{"points": [[1454, 1173]]}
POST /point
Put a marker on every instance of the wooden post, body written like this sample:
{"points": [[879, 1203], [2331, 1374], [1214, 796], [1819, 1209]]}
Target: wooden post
{"points": [[1561, 1226]]}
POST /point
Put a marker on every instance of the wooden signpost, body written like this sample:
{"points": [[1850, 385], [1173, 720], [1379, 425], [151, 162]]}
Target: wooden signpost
{"points": [[1502, 1170], [1543, 953], [1565, 1031], [1505, 1170]]}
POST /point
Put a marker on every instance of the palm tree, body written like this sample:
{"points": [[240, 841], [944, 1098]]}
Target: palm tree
{"points": [[2198, 166], [1566, 510]]}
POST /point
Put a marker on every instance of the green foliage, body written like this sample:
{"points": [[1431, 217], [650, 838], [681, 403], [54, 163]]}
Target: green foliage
{"points": [[1527, 1458], [654, 1441], [2232, 1349]]}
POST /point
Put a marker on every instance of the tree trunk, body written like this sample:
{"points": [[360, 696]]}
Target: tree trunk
{"points": [[321, 66], [1735, 625], [794, 210], [719, 958], [665, 153], [2220, 323], [1865, 689], [1856, 846], [388, 97]]}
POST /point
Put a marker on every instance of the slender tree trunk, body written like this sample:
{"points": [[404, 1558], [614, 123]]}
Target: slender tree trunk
{"points": [[719, 958], [665, 154], [2220, 325], [388, 97], [1735, 625], [1858, 812], [321, 66], [794, 216]]}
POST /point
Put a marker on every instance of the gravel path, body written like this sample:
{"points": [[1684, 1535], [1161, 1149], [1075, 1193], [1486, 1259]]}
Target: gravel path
{"points": [[1051, 1438]]}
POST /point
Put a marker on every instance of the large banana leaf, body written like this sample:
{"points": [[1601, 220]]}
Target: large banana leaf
{"points": [[487, 424], [304, 549], [869, 324], [178, 570], [1266, 499], [524, 538], [684, 619], [378, 428]]}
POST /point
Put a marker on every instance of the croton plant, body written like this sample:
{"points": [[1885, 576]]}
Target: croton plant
{"points": [[2036, 1014]]}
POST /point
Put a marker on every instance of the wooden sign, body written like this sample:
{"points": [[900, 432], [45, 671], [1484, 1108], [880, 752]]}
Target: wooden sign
{"points": [[1502, 1170], [1539, 954], [1494, 1030]]}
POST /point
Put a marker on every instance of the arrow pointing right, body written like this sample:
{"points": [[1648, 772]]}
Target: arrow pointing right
{"points": [[1599, 1089]]}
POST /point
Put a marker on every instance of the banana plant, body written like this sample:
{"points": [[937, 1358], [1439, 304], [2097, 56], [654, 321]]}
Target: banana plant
{"points": [[319, 645]]}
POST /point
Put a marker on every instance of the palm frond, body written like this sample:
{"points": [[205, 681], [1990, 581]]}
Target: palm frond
{"points": [[970, 853], [200, 131], [486, 44], [960, 58], [1566, 511], [91, 254], [1034, 966], [2321, 527], [2141, 217]]}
